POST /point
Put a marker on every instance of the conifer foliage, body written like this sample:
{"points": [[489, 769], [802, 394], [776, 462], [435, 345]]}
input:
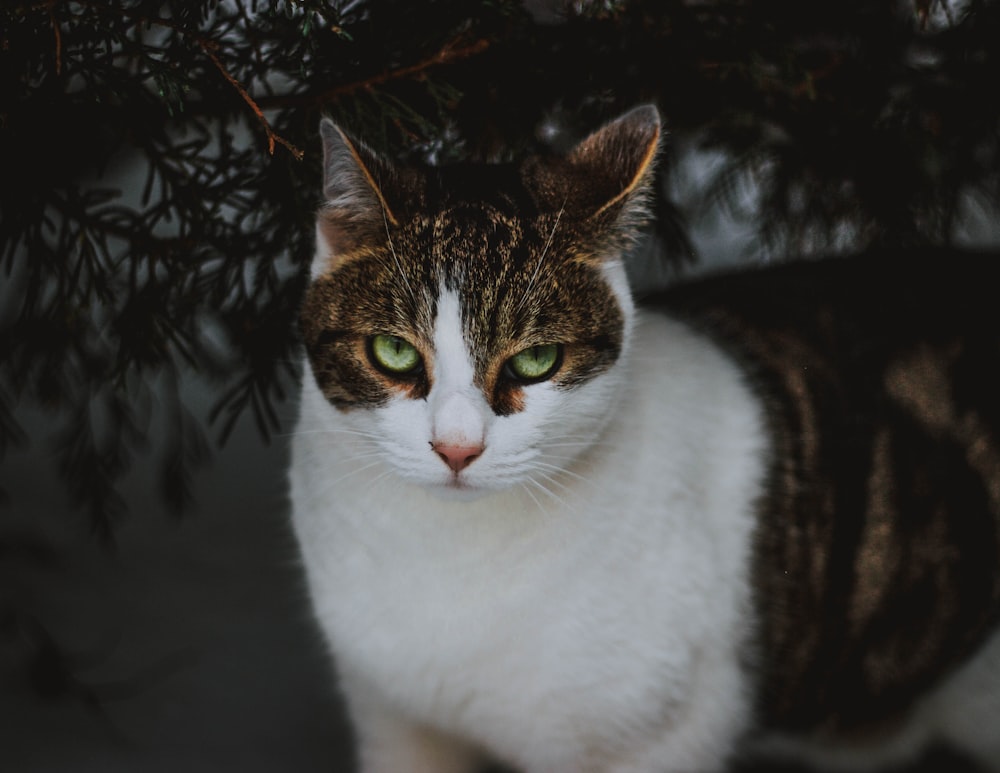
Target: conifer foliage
{"points": [[159, 170]]}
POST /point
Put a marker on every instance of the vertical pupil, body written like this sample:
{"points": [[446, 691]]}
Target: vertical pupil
{"points": [[534, 362], [393, 353]]}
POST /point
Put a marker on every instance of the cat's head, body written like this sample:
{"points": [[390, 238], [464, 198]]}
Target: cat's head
{"points": [[467, 321]]}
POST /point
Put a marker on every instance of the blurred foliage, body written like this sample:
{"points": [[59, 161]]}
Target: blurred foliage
{"points": [[160, 171]]}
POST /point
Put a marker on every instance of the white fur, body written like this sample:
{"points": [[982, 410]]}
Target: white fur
{"points": [[583, 605], [322, 258]]}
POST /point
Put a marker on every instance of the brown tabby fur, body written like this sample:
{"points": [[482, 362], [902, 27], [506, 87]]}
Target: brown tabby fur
{"points": [[536, 235], [878, 554]]}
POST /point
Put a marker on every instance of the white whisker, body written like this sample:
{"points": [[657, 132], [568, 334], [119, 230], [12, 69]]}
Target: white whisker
{"points": [[334, 431], [552, 495], [353, 472], [530, 493], [553, 481], [579, 444], [395, 257], [541, 259], [560, 470], [383, 474]]}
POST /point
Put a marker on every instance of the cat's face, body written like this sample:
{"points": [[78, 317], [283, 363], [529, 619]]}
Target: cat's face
{"points": [[467, 323]]}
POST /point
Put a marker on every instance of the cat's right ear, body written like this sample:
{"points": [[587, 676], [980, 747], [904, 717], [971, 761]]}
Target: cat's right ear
{"points": [[360, 191]]}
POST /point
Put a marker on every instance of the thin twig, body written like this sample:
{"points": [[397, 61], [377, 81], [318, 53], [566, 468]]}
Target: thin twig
{"points": [[57, 34], [448, 54], [272, 137]]}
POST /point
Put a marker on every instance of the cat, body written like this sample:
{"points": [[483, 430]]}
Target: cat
{"points": [[549, 526]]}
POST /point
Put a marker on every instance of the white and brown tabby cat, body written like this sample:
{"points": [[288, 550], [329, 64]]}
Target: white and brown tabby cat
{"points": [[546, 526]]}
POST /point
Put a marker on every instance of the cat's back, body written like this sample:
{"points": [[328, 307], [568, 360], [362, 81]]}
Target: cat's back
{"points": [[878, 546], [873, 300]]}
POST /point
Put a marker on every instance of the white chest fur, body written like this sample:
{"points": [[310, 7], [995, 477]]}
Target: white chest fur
{"points": [[597, 625]]}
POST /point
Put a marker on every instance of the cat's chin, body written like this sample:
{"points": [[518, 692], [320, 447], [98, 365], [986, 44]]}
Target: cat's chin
{"points": [[458, 491]]}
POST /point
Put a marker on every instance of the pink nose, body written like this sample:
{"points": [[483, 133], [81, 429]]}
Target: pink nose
{"points": [[457, 457]]}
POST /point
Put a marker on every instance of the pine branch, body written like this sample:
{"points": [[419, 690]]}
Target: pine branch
{"points": [[272, 137]]}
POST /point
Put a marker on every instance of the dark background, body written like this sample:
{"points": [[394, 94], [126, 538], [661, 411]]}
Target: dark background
{"points": [[159, 170]]}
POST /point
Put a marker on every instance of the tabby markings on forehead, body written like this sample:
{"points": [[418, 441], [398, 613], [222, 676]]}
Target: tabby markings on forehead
{"points": [[523, 281]]}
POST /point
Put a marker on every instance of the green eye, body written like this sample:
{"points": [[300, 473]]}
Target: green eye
{"points": [[536, 363], [393, 355]]}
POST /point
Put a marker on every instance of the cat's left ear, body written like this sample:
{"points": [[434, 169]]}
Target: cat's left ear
{"points": [[613, 167]]}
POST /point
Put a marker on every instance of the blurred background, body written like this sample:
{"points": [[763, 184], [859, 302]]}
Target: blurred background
{"points": [[159, 172]]}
